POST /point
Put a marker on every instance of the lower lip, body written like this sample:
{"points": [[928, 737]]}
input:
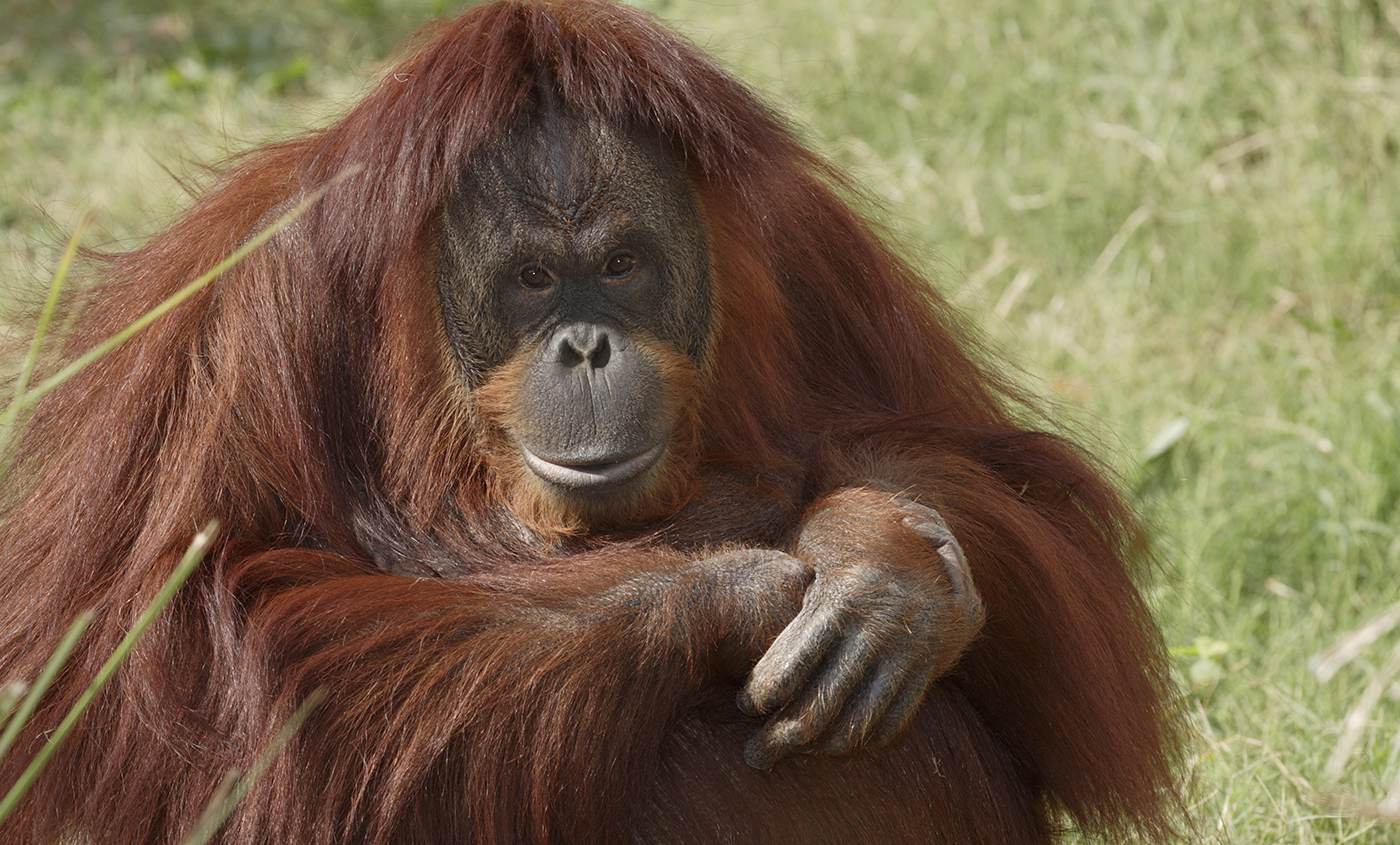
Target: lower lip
{"points": [[592, 475]]}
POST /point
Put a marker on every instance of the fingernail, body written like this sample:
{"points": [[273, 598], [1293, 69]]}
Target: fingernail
{"points": [[758, 756]]}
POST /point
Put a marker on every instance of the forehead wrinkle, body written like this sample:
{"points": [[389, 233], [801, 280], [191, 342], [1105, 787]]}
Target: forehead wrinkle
{"points": [[581, 240], [585, 207], [569, 185], [553, 201]]}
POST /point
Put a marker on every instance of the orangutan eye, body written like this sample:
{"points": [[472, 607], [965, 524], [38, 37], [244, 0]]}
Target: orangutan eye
{"points": [[535, 277], [620, 265]]}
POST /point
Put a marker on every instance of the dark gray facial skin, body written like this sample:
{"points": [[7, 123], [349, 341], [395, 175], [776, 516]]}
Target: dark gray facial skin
{"points": [[580, 247]]}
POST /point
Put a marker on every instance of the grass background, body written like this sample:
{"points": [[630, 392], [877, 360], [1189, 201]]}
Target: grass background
{"points": [[1177, 216]]}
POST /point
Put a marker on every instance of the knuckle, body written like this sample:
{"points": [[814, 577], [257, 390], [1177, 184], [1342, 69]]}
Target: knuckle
{"points": [[764, 690], [789, 733]]}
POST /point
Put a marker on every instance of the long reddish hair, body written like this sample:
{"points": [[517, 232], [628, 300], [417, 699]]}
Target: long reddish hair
{"points": [[307, 400]]}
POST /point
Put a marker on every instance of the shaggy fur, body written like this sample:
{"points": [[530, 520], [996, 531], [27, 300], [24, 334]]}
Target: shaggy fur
{"points": [[489, 683]]}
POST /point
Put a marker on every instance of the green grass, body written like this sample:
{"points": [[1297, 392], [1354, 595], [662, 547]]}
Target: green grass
{"points": [[1159, 210]]}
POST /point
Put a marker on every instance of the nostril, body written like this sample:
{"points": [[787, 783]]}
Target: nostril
{"points": [[569, 355], [579, 343]]}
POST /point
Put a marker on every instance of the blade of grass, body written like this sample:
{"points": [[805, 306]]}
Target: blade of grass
{"points": [[7, 421], [226, 798], [193, 555], [10, 695], [174, 300], [41, 685]]}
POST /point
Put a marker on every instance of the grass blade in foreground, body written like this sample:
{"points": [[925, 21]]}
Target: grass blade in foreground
{"points": [[193, 555], [10, 695], [78, 364], [56, 662], [229, 794], [7, 421]]}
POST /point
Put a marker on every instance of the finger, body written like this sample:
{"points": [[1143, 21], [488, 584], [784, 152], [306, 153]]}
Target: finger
{"points": [[867, 711], [791, 659], [926, 522], [929, 524], [800, 723], [902, 708], [778, 739]]}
